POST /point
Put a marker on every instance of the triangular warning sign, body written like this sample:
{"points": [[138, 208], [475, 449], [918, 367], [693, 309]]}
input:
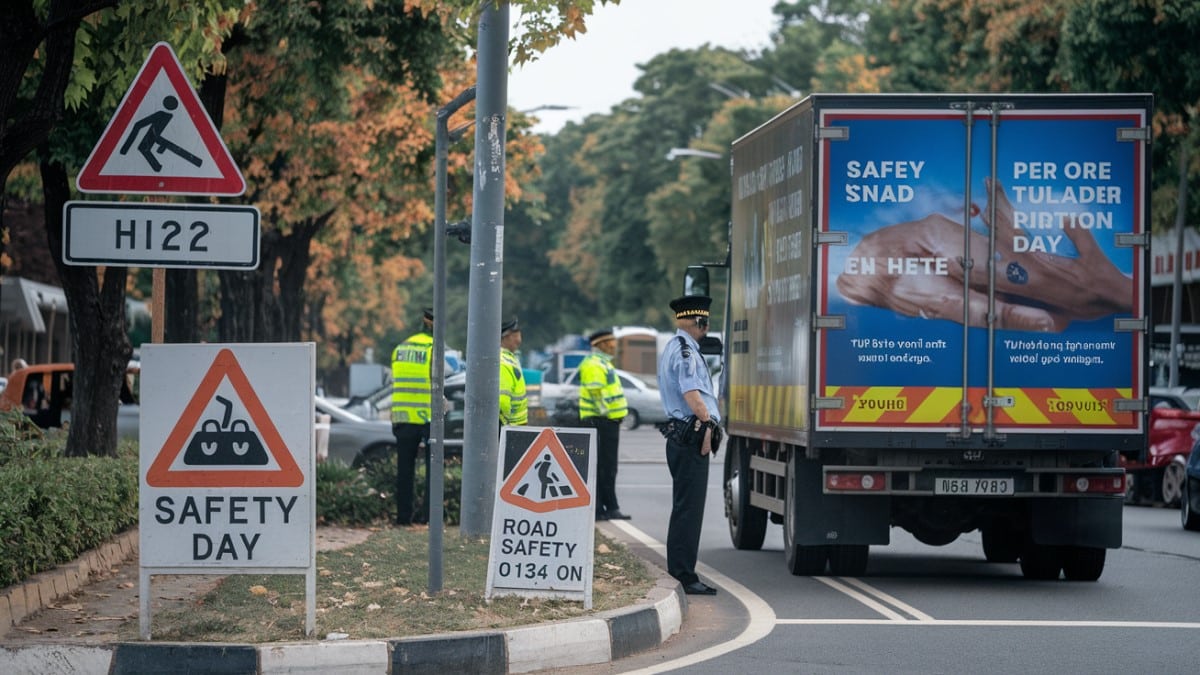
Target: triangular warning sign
{"points": [[223, 445], [161, 139], [545, 479]]}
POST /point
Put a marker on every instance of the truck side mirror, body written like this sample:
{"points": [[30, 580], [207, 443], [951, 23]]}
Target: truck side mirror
{"points": [[710, 345], [695, 280]]}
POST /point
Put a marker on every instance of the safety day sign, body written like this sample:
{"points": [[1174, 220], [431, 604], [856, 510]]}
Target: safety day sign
{"points": [[227, 464], [543, 524]]}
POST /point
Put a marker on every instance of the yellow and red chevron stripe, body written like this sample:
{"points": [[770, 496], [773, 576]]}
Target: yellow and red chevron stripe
{"points": [[941, 406]]}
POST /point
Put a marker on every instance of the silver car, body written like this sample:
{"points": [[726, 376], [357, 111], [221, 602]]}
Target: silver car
{"points": [[644, 401], [354, 440]]}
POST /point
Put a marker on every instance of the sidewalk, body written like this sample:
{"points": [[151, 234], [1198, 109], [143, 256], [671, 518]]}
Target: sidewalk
{"points": [[600, 638]]}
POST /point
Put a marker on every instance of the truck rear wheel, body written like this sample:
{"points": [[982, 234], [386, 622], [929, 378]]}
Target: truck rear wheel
{"points": [[1041, 562], [849, 560], [747, 524], [1187, 515], [1083, 563], [802, 561]]}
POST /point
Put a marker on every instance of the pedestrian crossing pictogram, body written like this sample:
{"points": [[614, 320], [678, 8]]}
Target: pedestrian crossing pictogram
{"points": [[219, 447], [161, 139], [545, 479]]}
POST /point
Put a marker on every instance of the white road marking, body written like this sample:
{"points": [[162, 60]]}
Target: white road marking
{"points": [[762, 617], [867, 588], [1012, 623]]}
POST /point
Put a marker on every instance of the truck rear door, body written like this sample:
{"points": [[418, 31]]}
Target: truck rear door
{"points": [[992, 275]]}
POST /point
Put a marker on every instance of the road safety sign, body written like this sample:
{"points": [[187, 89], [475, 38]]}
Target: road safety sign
{"points": [[226, 447], [161, 139], [222, 451], [543, 525]]}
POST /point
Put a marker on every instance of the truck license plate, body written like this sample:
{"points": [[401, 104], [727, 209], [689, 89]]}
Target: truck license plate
{"points": [[973, 486]]}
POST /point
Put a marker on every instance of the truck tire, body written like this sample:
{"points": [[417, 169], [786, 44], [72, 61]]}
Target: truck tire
{"points": [[1041, 562], [849, 560], [1001, 544], [802, 561], [1083, 563], [747, 524], [1187, 515], [1174, 474]]}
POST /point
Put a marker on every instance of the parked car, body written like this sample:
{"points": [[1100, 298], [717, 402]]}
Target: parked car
{"points": [[643, 401], [1189, 501], [378, 406], [1174, 428], [353, 440], [52, 383]]}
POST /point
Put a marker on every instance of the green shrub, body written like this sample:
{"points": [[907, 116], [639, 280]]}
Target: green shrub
{"points": [[345, 497], [54, 509], [382, 477]]}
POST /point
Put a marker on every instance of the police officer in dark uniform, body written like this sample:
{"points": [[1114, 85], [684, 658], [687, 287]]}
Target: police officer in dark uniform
{"points": [[692, 433]]}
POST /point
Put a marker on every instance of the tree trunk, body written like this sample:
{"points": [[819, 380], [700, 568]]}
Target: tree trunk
{"points": [[97, 314]]}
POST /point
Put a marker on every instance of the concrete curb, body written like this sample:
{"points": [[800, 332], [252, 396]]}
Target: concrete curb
{"points": [[596, 639], [43, 589]]}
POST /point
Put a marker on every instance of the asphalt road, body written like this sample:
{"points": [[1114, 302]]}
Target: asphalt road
{"points": [[919, 609]]}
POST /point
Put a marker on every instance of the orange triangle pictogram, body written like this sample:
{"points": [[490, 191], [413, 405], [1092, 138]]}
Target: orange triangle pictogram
{"points": [[546, 441], [169, 145], [225, 366]]}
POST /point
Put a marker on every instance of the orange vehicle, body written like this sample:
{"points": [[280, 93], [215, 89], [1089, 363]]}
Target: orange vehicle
{"points": [[44, 392]]}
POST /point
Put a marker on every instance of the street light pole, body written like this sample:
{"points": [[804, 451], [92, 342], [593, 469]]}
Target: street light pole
{"points": [[437, 432]]}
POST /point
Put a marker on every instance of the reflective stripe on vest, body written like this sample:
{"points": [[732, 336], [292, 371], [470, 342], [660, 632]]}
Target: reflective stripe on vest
{"points": [[411, 382], [596, 372]]}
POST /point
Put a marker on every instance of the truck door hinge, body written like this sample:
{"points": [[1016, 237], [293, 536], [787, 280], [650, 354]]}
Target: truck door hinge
{"points": [[833, 133], [1132, 134], [828, 403], [829, 322], [1129, 239], [1137, 405], [834, 238], [1130, 325]]}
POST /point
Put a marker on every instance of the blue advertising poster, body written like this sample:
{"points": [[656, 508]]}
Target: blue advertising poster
{"points": [[1046, 212]]}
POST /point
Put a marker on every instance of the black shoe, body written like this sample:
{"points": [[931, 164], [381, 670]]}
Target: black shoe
{"points": [[616, 515], [699, 588], [601, 516]]}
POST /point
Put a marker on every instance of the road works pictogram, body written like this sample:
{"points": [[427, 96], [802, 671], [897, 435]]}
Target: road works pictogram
{"points": [[545, 479], [221, 450]]}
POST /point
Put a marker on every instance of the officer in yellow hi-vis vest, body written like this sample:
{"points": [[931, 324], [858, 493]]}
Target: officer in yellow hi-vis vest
{"points": [[602, 405], [514, 411], [412, 384]]}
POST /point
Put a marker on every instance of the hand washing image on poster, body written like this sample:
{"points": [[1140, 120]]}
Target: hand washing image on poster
{"points": [[1064, 189]]}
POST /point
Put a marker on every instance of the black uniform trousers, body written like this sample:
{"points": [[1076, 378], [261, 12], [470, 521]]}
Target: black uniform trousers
{"points": [[689, 484], [408, 444], [608, 440]]}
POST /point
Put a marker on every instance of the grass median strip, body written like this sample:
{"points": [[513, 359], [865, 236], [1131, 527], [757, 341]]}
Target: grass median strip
{"points": [[379, 589]]}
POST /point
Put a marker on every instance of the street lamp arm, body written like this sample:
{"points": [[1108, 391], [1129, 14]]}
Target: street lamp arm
{"points": [[675, 153]]}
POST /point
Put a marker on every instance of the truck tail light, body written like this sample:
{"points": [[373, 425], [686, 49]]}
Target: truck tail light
{"points": [[844, 481], [1106, 484]]}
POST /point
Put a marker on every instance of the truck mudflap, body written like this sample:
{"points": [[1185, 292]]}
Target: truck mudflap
{"points": [[828, 518], [1093, 523]]}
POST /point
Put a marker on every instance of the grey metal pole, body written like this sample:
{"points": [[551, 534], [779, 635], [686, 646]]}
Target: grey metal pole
{"points": [[1177, 282], [437, 432], [480, 437]]}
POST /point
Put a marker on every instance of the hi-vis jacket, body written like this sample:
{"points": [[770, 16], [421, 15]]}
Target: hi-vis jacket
{"points": [[412, 382], [513, 406], [600, 390]]}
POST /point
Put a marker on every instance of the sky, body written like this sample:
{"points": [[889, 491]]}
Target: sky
{"points": [[597, 70]]}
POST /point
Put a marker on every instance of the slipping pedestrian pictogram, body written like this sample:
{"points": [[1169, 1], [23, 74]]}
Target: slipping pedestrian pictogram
{"points": [[545, 479], [161, 140], [218, 447]]}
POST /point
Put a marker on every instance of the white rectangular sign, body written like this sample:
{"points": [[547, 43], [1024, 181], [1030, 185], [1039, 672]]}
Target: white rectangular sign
{"points": [[543, 524], [161, 235], [227, 468]]}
